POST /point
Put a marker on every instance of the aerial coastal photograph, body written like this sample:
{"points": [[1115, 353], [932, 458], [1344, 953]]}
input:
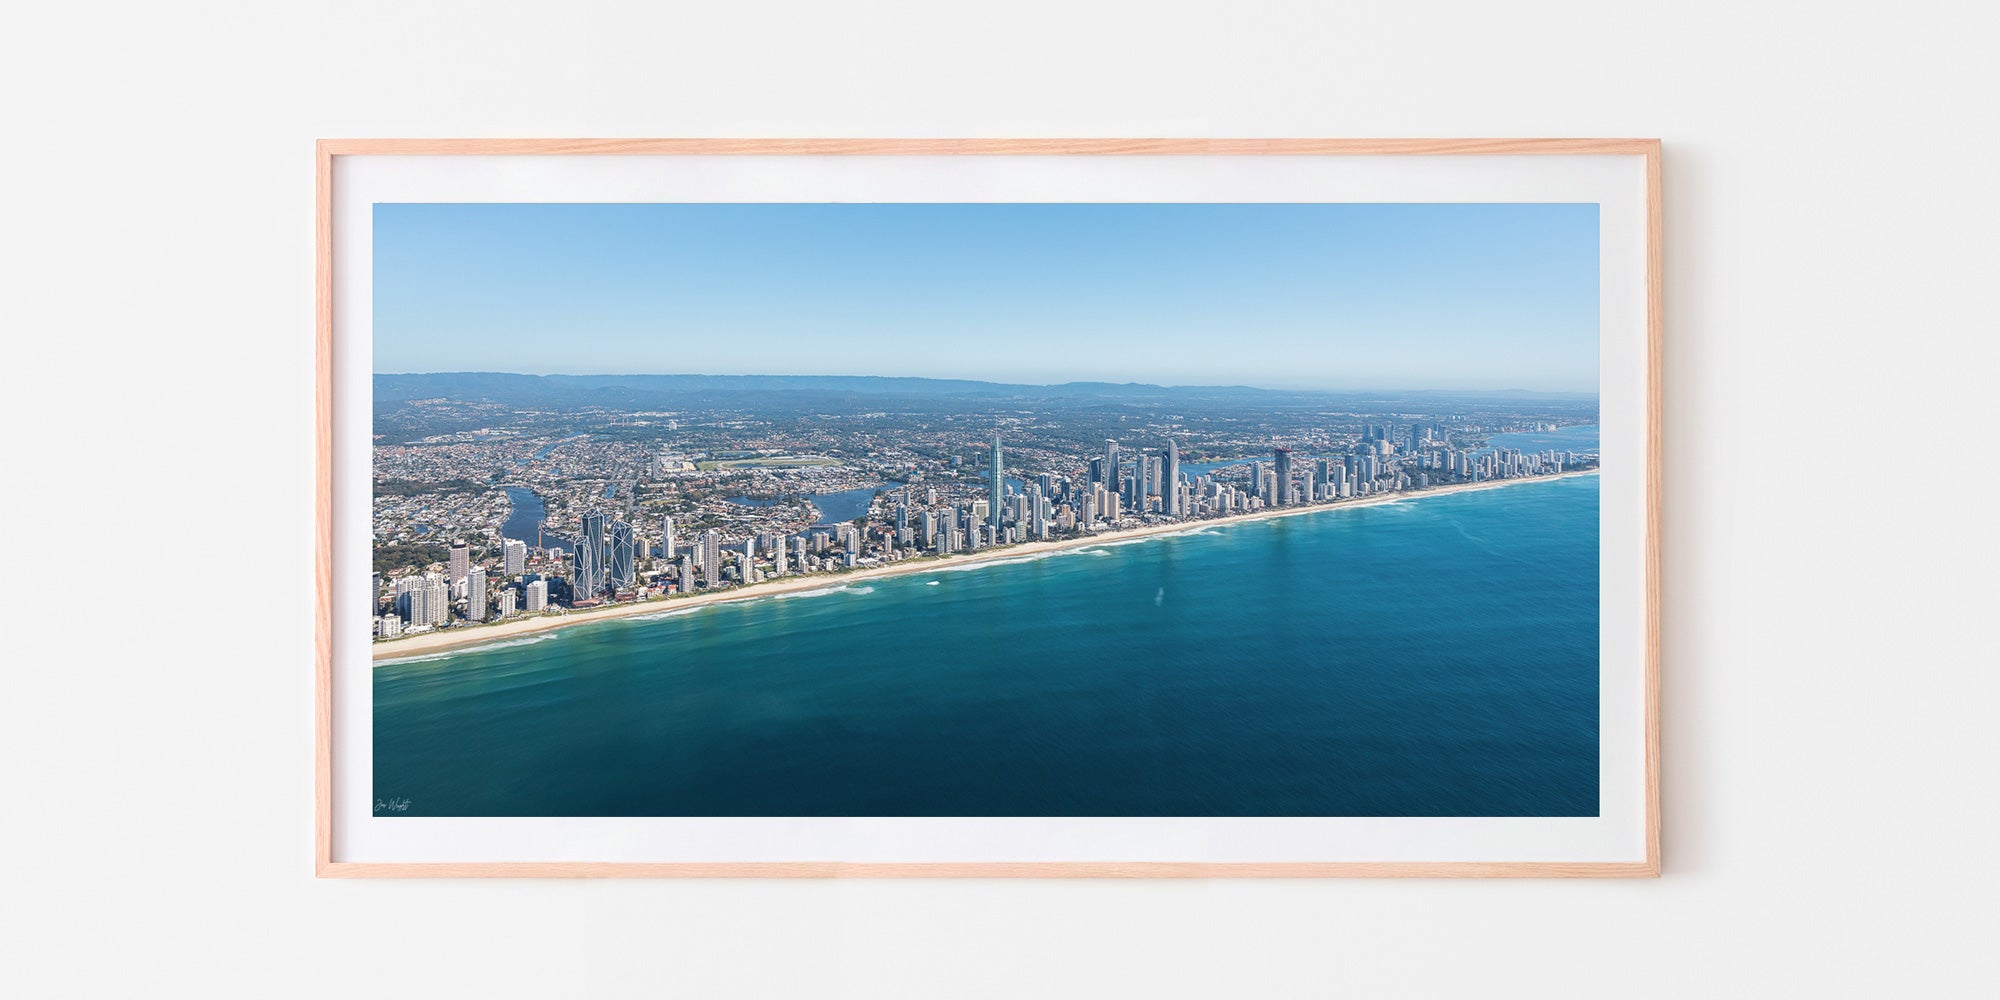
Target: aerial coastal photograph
{"points": [[1095, 509]]}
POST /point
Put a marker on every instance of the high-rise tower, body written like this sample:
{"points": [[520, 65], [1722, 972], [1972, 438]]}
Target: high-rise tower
{"points": [[1170, 480], [993, 508], [711, 556], [1284, 477], [475, 594], [589, 577], [620, 566]]}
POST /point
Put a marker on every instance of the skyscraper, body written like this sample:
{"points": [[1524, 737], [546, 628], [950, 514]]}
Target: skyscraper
{"points": [[513, 557], [1170, 487], [1111, 465], [993, 503], [620, 556], [475, 594], [1284, 477], [538, 595], [403, 588], [461, 560], [667, 537], [589, 576], [436, 603], [711, 556]]}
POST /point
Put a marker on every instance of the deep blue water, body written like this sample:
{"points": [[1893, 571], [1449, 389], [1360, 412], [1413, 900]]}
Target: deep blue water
{"points": [[1432, 657], [845, 505], [525, 517]]}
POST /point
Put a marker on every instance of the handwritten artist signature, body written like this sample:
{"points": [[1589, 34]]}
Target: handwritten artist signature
{"points": [[392, 805]]}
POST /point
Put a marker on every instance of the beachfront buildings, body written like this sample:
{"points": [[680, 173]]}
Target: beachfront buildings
{"points": [[606, 559], [619, 557], [588, 578], [475, 594], [996, 481]]}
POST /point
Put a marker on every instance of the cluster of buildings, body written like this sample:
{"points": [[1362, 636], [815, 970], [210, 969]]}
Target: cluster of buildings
{"points": [[614, 559], [470, 591]]}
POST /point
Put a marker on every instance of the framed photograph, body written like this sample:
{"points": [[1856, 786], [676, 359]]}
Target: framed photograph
{"points": [[1046, 508]]}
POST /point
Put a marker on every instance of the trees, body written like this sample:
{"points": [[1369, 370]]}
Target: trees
{"points": [[395, 556]]}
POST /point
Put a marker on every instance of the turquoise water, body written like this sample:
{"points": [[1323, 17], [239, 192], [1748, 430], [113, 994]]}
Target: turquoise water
{"points": [[1432, 657]]}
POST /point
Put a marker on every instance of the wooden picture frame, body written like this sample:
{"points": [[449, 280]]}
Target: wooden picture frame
{"points": [[327, 862]]}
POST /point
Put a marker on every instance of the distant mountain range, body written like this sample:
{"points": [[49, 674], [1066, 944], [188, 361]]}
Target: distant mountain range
{"points": [[648, 391]]}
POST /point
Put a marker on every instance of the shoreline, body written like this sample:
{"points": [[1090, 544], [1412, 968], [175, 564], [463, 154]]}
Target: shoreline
{"points": [[436, 642]]}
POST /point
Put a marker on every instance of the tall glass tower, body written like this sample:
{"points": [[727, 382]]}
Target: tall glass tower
{"points": [[1170, 480], [993, 511], [589, 557], [1284, 477], [619, 556]]}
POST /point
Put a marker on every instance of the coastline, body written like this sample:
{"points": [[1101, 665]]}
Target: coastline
{"points": [[435, 642]]}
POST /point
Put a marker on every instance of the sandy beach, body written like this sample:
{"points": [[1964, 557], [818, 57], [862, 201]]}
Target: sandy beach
{"points": [[432, 642]]}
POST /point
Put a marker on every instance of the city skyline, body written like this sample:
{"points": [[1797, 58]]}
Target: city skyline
{"points": [[1077, 497], [1358, 297]]}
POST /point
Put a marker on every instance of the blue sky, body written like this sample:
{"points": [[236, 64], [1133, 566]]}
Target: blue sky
{"points": [[1319, 295]]}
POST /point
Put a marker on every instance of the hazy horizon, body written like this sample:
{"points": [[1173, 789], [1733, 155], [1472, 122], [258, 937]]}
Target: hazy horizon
{"points": [[1338, 297], [1268, 387]]}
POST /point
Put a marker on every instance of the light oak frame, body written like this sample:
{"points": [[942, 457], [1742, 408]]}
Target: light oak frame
{"points": [[328, 149]]}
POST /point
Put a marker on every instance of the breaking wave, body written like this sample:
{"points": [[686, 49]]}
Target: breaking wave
{"points": [[445, 654]]}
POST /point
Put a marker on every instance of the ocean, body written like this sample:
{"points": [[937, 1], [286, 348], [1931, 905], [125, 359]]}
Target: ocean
{"points": [[1435, 656], [1577, 438]]}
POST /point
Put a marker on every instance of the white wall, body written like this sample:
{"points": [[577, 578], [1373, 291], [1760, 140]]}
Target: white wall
{"points": [[1830, 804]]}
